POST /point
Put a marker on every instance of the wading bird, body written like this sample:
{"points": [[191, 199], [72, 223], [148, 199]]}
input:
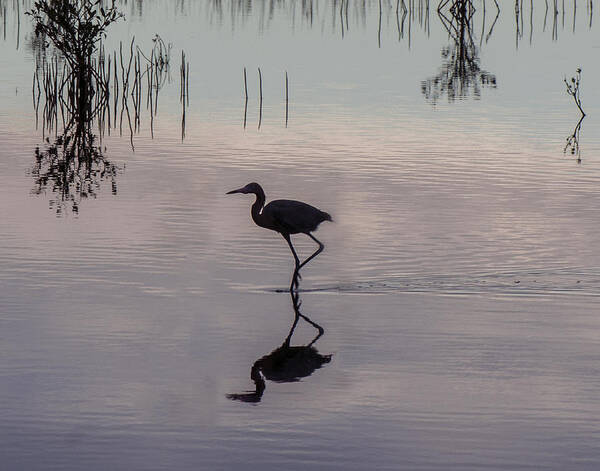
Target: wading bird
{"points": [[286, 217]]}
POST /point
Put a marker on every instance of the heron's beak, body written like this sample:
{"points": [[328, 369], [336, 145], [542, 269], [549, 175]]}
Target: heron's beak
{"points": [[239, 190]]}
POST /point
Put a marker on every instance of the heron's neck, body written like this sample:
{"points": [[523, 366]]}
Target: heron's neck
{"points": [[257, 208]]}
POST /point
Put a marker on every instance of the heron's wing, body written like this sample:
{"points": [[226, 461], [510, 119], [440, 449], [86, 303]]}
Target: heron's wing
{"points": [[293, 216], [284, 214]]}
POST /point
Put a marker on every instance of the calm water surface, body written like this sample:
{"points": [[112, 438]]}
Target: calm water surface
{"points": [[458, 289]]}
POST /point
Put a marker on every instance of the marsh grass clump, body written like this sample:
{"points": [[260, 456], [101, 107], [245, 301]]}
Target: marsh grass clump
{"points": [[84, 91], [73, 164], [573, 89], [161, 52]]}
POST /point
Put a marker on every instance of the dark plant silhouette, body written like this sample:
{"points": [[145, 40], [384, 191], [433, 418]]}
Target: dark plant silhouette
{"points": [[75, 28], [82, 87], [460, 74], [286, 363], [159, 60], [73, 165], [573, 89], [260, 98]]}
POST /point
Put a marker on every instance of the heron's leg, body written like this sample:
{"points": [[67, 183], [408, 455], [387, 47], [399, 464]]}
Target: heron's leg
{"points": [[319, 250], [297, 303], [289, 241], [295, 283], [316, 326], [296, 274]]}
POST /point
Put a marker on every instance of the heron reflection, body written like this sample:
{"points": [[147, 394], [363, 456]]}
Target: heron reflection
{"points": [[460, 74], [286, 363]]}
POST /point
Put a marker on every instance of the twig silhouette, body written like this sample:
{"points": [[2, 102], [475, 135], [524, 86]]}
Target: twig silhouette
{"points": [[573, 89]]}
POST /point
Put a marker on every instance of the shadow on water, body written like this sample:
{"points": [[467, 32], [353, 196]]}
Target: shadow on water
{"points": [[460, 75], [287, 363]]}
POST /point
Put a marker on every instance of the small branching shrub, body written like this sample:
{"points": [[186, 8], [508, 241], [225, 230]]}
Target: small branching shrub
{"points": [[75, 27], [573, 89]]}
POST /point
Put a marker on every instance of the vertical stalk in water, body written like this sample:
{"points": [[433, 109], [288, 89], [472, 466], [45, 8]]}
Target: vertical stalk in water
{"points": [[183, 92], [246, 97], [286, 99], [261, 98]]}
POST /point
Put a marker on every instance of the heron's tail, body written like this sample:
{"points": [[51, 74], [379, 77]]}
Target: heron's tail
{"points": [[326, 216]]}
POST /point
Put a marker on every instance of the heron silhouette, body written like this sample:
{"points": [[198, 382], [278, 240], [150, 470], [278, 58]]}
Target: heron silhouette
{"points": [[286, 217], [286, 363]]}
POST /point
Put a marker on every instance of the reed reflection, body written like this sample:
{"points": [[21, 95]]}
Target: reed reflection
{"points": [[345, 16], [287, 363], [340, 17], [460, 75]]}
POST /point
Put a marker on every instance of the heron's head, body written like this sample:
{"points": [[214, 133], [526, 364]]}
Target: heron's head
{"points": [[249, 188]]}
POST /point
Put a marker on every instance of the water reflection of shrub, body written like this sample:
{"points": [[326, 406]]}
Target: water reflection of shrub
{"points": [[72, 168], [460, 75]]}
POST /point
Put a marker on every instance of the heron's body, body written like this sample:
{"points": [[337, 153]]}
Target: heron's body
{"points": [[286, 217], [289, 217]]}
